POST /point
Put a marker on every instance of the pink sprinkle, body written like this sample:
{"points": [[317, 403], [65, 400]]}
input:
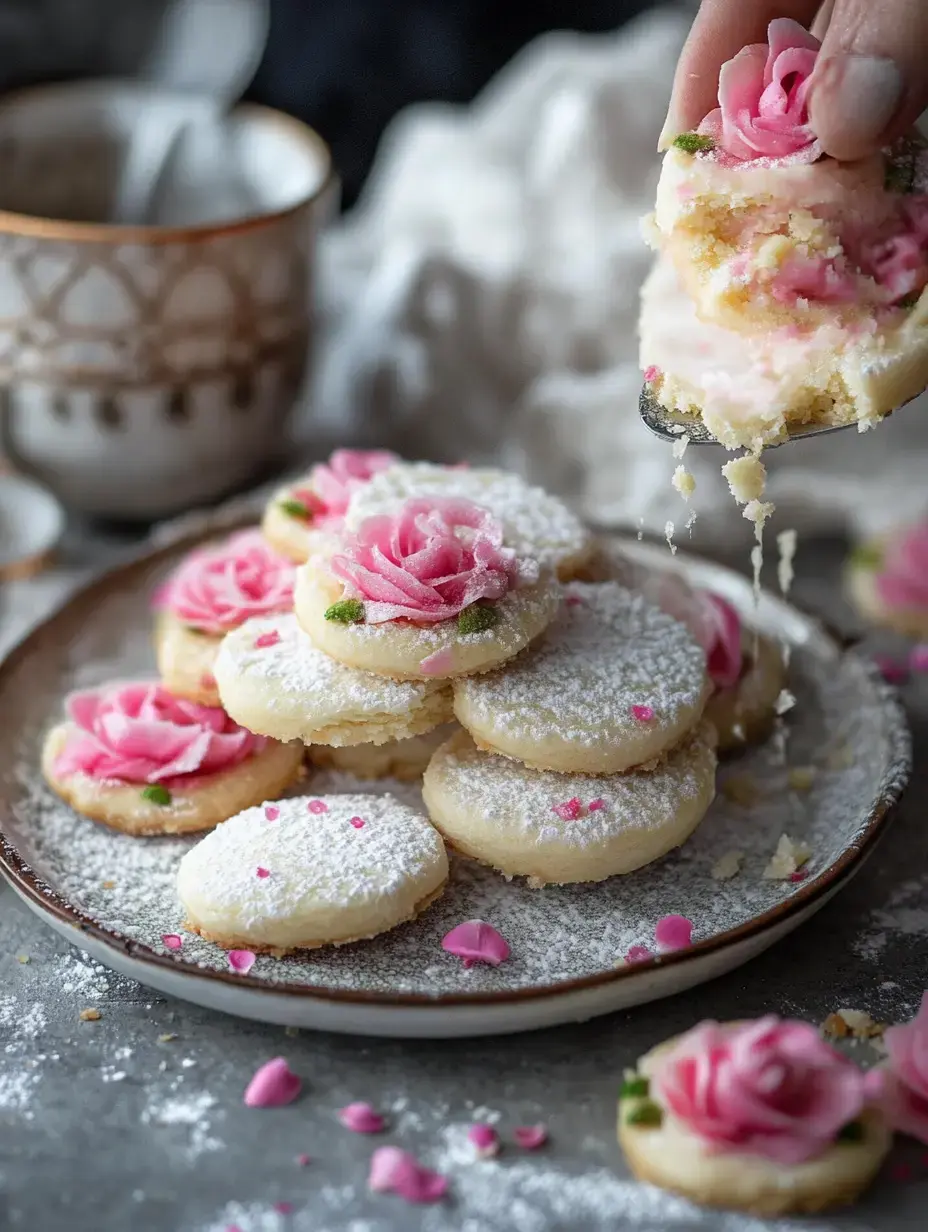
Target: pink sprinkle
{"points": [[530, 1137], [595, 805], [272, 812], [273, 1085], [892, 671], [207, 681], [437, 663], [638, 953], [901, 1172], [172, 940], [799, 875], [573, 601], [318, 806], [303, 1160], [485, 1139], [644, 714], [271, 638], [918, 658], [283, 1208], [475, 941], [674, 932], [263, 872], [396, 1171], [357, 822], [361, 1119], [241, 961], [651, 373], [570, 810]]}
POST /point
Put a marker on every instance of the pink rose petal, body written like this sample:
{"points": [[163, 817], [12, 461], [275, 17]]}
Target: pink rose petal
{"points": [[272, 812], [265, 640], [642, 714], [172, 940], [241, 961], [652, 373], [638, 953], [570, 810], [273, 1085], [263, 872], [918, 658], [437, 663], [318, 806], [530, 1137], [673, 932], [892, 670], [357, 822], [396, 1171], [283, 1208], [303, 1160], [485, 1139], [573, 601], [475, 941], [361, 1118], [799, 875], [595, 805]]}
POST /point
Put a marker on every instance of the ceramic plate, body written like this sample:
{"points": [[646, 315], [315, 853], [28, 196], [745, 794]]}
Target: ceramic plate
{"points": [[113, 895]]}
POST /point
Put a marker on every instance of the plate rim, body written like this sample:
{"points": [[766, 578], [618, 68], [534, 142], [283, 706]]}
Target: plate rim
{"points": [[15, 869]]}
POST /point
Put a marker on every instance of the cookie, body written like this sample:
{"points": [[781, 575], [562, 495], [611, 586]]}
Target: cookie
{"points": [[140, 760], [402, 760], [561, 828], [215, 589], [763, 1117], [312, 871], [887, 580], [302, 517], [614, 683], [273, 680], [743, 713], [431, 591], [535, 524]]}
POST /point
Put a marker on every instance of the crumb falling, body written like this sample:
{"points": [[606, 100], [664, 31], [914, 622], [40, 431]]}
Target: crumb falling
{"points": [[668, 535], [785, 702], [684, 482]]}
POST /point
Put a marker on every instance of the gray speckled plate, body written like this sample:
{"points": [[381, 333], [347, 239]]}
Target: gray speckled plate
{"points": [[113, 895]]}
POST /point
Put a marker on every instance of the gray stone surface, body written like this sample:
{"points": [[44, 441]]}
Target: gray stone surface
{"points": [[109, 1125]]}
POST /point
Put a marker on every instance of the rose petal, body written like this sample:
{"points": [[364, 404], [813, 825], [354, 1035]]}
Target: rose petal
{"points": [[241, 961], [530, 1137], [638, 953], [594, 806], [570, 810], [642, 714], [476, 941], [673, 932], [172, 940], [485, 1139], [265, 640], [361, 1118], [396, 1171], [357, 822], [273, 1085]]}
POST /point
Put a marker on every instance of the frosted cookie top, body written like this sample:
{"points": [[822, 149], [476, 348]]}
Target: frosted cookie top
{"points": [[609, 669], [298, 860], [535, 525]]}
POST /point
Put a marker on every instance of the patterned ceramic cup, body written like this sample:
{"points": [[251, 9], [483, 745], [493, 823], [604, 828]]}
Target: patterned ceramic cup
{"points": [[145, 369]]}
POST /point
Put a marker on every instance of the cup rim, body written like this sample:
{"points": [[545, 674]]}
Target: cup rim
{"points": [[39, 227]]}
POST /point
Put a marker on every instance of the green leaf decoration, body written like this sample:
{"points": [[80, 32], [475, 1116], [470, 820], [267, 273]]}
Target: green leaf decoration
{"points": [[346, 612], [156, 794], [693, 143], [647, 1113], [296, 509], [635, 1087], [476, 618]]}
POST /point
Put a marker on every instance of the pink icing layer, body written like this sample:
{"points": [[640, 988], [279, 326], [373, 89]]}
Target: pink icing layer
{"points": [[772, 1088], [141, 733], [902, 579], [763, 108], [218, 588], [427, 562], [905, 1078]]}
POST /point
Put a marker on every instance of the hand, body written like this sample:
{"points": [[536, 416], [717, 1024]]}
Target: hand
{"points": [[870, 81]]}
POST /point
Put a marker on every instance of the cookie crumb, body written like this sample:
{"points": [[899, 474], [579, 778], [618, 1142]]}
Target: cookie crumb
{"points": [[728, 866], [89, 1015], [166, 1037], [857, 1024], [788, 858], [23, 958], [800, 778], [108, 885], [834, 1027], [786, 701], [741, 789], [684, 482], [291, 1031]]}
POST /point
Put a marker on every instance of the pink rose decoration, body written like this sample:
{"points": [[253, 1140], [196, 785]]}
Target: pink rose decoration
{"points": [[141, 733], [218, 588], [905, 1078], [902, 579], [721, 640], [763, 98], [334, 482], [427, 562], [772, 1088]]}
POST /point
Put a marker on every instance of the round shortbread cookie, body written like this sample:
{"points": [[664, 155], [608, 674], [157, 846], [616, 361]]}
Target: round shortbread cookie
{"points": [[273, 680], [213, 798], [540, 824], [743, 714], [671, 1156], [536, 524], [308, 871], [288, 526], [403, 760], [613, 684], [186, 659], [861, 573], [406, 651]]}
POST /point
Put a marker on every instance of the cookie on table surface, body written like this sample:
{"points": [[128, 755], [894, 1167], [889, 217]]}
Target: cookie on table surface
{"points": [[312, 871], [273, 680], [138, 759], [402, 760], [561, 828], [302, 517], [215, 589], [887, 579], [763, 1116], [613, 683], [535, 524], [431, 591]]}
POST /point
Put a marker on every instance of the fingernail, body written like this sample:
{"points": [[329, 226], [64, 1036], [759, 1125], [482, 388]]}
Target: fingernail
{"points": [[853, 100]]}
